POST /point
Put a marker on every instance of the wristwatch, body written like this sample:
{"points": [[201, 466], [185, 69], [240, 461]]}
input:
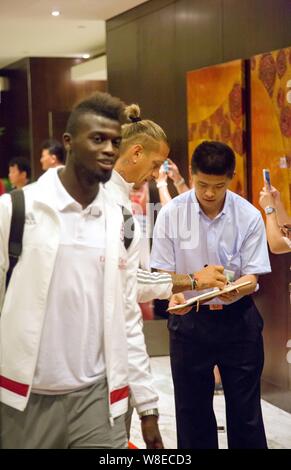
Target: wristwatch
{"points": [[193, 281], [151, 412], [269, 210]]}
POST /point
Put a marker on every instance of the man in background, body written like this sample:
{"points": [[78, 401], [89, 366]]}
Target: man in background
{"points": [[52, 154], [19, 172]]}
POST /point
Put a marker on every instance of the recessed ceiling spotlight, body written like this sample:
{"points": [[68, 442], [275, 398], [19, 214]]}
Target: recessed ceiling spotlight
{"points": [[56, 13], [86, 56]]}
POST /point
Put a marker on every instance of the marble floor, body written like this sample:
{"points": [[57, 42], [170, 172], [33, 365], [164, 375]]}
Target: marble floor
{"points": [[277, 422]]}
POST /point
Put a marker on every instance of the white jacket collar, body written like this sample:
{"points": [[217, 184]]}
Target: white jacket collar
{"points": [[49, 190], [121, 186]]}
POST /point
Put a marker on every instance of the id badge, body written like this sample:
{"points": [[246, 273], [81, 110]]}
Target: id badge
{"points": [[229, 275]]}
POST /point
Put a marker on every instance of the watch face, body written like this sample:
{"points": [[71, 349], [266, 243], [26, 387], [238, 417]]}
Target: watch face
{"points": [[269, 210]]}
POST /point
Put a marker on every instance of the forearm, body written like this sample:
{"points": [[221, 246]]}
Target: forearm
{"points": [[209, 276], [181, 282], [274, 235], [141, 382], [237, 294], [181, 186], [164, 193], [282, 216], [247, 290], [152, 286]]}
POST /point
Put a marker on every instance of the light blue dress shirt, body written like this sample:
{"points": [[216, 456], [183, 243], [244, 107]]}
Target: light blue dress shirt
{"points": [[185, 239]]}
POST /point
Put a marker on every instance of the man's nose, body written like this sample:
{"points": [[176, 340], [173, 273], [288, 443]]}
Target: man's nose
{"points": [[108, 147], [209, 192]]}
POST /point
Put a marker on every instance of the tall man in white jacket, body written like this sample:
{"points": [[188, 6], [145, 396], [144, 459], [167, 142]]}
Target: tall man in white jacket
{"points": [[71, 341], [144, 148]]}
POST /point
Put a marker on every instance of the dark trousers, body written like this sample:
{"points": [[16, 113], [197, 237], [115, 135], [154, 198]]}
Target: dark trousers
{"points": [[232, 339]]}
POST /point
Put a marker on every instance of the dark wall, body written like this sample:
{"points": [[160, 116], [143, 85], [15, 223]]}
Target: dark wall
{"points": [[14, 116], [149, 50], [151, 47], [274, 302], [38, 103], [53, 94]]}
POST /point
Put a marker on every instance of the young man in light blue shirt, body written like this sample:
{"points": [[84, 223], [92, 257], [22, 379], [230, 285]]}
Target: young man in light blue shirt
{"points": [[212, 225]]}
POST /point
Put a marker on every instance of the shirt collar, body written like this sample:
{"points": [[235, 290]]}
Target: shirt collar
{"points": [[123, 185], [64, 200], [225, 209]]}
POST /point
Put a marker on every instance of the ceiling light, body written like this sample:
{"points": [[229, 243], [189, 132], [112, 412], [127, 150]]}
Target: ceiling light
{"points": [[86, 56], [56, 13]]}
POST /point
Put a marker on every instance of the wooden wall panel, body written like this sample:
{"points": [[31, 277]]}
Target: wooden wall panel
{"points": [[122, 61], [276, 325], [15, 111], [52, 90], [198, 44], [40, 88], [273, 301], [254, 26], [155, 46]]}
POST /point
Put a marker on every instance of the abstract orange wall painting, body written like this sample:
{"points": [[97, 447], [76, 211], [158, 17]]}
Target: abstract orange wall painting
{"points": [[216, 111], [271, 121]]}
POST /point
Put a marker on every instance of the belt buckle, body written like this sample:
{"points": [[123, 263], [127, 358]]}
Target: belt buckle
{"points": [[216, 307]]}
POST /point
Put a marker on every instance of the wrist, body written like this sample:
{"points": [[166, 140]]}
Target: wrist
{"points": [[269, 210], [179, 182], [151, 412], [193, 280], [199, 284], [162, 184]]}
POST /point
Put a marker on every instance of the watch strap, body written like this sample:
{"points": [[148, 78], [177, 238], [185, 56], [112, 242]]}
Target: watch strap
{"points": [[151, 412]]}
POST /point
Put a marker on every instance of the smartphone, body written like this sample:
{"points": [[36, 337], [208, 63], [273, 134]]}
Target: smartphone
{"points": [[229, 275], [267, 178], [166, 166]]}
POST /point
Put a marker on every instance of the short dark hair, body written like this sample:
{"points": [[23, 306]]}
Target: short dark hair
{"points": [[101, 104], [213, 158], [23, 165], [54, 147]]}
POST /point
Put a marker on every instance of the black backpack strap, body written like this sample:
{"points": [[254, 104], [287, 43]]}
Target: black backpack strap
{"points": [[128, 227], [16, 230]]}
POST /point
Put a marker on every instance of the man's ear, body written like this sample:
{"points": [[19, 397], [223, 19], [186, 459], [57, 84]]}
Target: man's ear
{"points": [[67, 140], [136, 153], [231, 177], [137, 149]]}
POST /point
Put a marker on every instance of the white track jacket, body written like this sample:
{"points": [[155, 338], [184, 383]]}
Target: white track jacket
{"points": [[24, 304]]}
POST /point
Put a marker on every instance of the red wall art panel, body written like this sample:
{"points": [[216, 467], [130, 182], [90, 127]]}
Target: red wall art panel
{"points": [[270, 87], [216, 111]]}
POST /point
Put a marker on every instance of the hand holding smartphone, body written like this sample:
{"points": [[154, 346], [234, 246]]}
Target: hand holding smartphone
{"points": [[267, 179], [166, 166]]}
